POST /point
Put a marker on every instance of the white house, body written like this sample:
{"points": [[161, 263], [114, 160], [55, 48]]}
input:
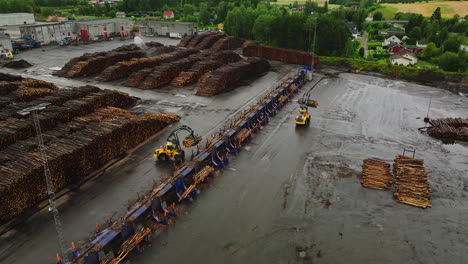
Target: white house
{"points": [[404, 59], [392, 39]]}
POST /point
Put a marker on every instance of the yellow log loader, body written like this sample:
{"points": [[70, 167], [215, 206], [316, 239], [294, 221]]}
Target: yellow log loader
{"points": [[172, 149]]}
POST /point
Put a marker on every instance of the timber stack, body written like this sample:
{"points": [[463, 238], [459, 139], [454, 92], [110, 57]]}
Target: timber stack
{"points": [[285, 55], [165, 73], [228, 77], [411, 182], [195, 72], [376, 174], [209, 41], [82, 129], [197, 39], [185, 41], [227, 43], [449, 128]]}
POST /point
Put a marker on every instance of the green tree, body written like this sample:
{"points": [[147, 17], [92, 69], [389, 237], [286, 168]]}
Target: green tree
{"points": [[204, 14], [325, 7], [442, 36], [377, 16], [449, 61], [431, 50], [359, 17], [452, 44], [416, 33], [188, 9], [436, 15], [309, 7], [295, 4], [222, 11]]}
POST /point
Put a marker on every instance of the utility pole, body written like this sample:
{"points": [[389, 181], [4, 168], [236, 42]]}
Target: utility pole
{"points": [[52, 205]]}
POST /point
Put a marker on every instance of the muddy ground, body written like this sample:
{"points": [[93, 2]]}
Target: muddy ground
{"points": [[291, 195]]}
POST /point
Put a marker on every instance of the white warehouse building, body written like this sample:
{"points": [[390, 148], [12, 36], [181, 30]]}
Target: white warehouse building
{"points": [[13, 19]]}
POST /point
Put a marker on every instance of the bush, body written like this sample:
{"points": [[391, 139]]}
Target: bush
{"points": [[449, 61]]}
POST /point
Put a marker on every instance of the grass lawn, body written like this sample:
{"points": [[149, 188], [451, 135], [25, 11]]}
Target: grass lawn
{"points": [[447, 8], [387, 11], [374, 44]]}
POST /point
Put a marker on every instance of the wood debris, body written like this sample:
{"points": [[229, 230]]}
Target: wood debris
{"points": [[376, 174], [449, 128]]}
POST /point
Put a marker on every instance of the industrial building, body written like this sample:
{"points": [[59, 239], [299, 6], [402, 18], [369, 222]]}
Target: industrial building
{"points": [[170, 28], [49, 33], [104, 28], [16, 19], [86, 30], [5, 43]]}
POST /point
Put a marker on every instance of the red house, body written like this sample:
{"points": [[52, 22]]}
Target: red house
{"points": [[168, 14], [396, 48]]}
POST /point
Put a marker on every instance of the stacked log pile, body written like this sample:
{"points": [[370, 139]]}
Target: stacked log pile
{"points": [[224, 57], [166, 72], [154, 44], [98, 63], [227, 43], [10, 77], [73, 151], [195, 72], [125, 68], [25, 90], [284, 55], [228, 77], [197, 39], [411, 182], [185, 41], [15, 129], [208, 41], [376, 174], [449, 128]]}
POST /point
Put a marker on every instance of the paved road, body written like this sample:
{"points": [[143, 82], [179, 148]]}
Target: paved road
{"points": [[290, 192]]}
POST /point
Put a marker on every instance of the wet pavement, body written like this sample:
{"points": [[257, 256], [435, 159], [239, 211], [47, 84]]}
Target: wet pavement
{"points": [[292, 195]]}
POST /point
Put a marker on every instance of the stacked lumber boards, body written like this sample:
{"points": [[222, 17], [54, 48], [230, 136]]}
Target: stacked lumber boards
{"points": [[18, 128], [166, 72], [209, 41], [185, 41], [227, 43], [97, 64], [411, 182], [195, 72], [451, 128], [73, 151], [125, 68], [376, 174], [228, 77], [280, 54]]}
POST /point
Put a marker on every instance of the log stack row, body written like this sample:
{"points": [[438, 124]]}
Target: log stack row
{"points": [[376, 174], [209, 41], [229, 76], [125, 68], [449, 128], [195, 72], [73, 151], [97, 64], [197, 39], [15, 129], [280, 54], [227, 43], [185, 41], [165, 73], [24, 91], [411, 182]]}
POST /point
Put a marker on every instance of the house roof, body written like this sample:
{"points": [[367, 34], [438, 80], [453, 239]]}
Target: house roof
{"points": [[393, 44], [403, 51], [396, 56], [168, 13]]}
